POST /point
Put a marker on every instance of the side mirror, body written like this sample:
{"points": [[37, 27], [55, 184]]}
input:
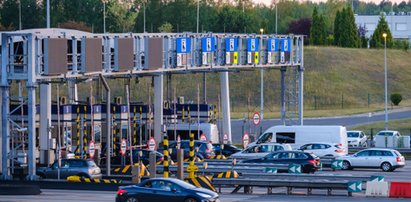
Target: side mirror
{"points": [[174, 190]]}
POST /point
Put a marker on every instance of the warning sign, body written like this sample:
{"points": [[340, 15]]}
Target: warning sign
{"points": [[256, 118], [225, 139], [246, 140], [91, 149], [203, 138]]}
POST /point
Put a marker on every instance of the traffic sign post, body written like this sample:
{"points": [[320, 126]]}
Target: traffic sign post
{"points": [[294, 168], [256, 118], [91, 149], [123, 147], [246, 140], [152, 144], [337, 164], [354, 186], [271, 170]]}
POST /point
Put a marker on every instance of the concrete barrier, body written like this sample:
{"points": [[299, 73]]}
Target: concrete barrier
{"points": [[377, 189]]}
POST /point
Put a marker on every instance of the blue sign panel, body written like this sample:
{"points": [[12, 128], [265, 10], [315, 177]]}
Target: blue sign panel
{"points": [[231, 44], [273, 45], [183, 45], [252, 44], [286, 45], [208, 44]]}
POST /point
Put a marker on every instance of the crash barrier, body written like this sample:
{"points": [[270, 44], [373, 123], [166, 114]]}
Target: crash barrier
{"points": [[196, 159], [75, 178], [304, 176], [216, 169], [14, 189], [222, 157], [227, 174], [350, 186], [377, 189], [400, 190], [126, 170], [201, 181]]}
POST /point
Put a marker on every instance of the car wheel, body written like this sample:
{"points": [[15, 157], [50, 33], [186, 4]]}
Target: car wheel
{"points": [[132, 199], [386, 167], [191, 200], [346, 165]]}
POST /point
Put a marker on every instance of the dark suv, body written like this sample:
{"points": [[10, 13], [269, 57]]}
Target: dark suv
{"points": [[69, 167], [202, 150]]}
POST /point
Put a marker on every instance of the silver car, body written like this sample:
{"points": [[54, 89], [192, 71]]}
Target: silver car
{"points": [[384, 159], [69, 167]]}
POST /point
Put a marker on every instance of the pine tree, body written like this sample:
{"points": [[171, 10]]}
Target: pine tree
{"points": [[377, 39], [318, 34], [337, 29]]}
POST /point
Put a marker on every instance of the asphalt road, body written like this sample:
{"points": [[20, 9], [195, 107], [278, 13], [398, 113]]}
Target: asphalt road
{"points": [[348, 121]]}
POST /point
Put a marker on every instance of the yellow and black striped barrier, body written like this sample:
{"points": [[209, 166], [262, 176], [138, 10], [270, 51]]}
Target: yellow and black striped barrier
{"points": [[227, 174], [201, 181], [165, 162], [126, 170], [221, 157], [195, 159], [89, 180]]}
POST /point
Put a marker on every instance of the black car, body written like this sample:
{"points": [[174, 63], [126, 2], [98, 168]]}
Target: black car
{"points": [[309, 162], [227, 150], [164, 190], [145, 158], [202, 150]]}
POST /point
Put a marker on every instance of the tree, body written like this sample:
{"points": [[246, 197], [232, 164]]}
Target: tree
{"points": [[396, 98], [318, 34], [377, 39], [166, 28], [337, 29], [300, 26]]}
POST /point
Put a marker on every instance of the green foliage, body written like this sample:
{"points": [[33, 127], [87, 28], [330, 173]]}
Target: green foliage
{"points": [[396, 98], [401, 44], [345, 29], [377, 39], [166, 28], [318, 33]]}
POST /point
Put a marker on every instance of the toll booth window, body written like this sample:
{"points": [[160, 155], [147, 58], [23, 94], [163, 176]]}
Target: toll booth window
{"points": [[285, 138]]}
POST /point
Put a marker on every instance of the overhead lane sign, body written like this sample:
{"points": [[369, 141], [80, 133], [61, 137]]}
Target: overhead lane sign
{"points": [[231, 47]]}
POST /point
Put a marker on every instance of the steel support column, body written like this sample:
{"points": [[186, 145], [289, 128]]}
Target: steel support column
{"points": [[31, 94], [5, 91], [282, 95], [158, 107], [45, 123], [225, 102], [301, 95]]}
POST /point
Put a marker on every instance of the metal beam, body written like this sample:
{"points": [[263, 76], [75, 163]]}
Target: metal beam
{"points": [[31, 94], [282, 95], [108, 125], [158, 108], [225, 102], [5, 90]]}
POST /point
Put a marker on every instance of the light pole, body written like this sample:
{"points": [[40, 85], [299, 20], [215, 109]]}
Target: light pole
{"points": [[385, 80], [20, 15], [104, 16], [262, 85], [48, 13]]}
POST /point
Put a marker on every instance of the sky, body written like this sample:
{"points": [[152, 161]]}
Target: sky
{"points": [[268, 2]]}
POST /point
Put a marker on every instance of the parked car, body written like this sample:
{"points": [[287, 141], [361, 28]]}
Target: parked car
{"points": [[203, 150], [261, 150], [384, 159], [69, 167], [145, 158], [324, 149], [228, 149], [309, 162], [165, 190], [356, 138], [388, 133]]}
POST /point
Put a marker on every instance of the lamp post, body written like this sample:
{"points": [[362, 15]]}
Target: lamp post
{"points": [[104, 15], [385, 80], [262, 85], [20, 15]]}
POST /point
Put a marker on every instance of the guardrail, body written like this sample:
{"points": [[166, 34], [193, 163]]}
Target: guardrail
{"points": [[289, 184], [275, 176]]}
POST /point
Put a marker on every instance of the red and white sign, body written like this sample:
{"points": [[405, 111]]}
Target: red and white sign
{"points": [[246, 140], [123, 147], [152, 144], [225, 139], [91, 149], [256, 118], [203, 138], [178, 141]]}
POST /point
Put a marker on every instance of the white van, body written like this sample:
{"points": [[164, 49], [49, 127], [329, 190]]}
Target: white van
{"points": [[297, 136], [183, 129]]}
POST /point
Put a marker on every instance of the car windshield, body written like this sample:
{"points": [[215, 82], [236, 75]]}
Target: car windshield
{"points": [[185, 184], [353, 134], [91, 164], [384, 133]]}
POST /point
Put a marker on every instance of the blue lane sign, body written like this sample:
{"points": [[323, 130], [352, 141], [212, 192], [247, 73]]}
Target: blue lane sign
{"points": [[252, 44], [183, 45], [271, 170], [286, 45], [336, 164], [273, 45], [294, 168], [354, 186], [231, 44], [377, 178], [208, 44]]}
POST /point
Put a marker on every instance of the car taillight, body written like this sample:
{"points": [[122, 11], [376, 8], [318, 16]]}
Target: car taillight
{"points": [[162, 158], [121, 192], [399, 159], [339, 150], [313, 162]]}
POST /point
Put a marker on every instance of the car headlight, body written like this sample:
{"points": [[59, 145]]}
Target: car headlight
{"points": [[354, 141], [204, 195]]}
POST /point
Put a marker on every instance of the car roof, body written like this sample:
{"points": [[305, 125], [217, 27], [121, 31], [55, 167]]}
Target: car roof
{"points": [[329, 143], [382, 149], [388, 131], [272, 143]]}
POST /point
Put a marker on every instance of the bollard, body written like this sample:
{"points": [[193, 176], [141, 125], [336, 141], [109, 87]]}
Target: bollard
{"points": [[135, 173], [153, 164], [191, 165], [180, 164], [165, 162]]}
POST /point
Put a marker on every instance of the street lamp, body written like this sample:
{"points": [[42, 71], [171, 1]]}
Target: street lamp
{"points": [[385, 80], [104, 15]]}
